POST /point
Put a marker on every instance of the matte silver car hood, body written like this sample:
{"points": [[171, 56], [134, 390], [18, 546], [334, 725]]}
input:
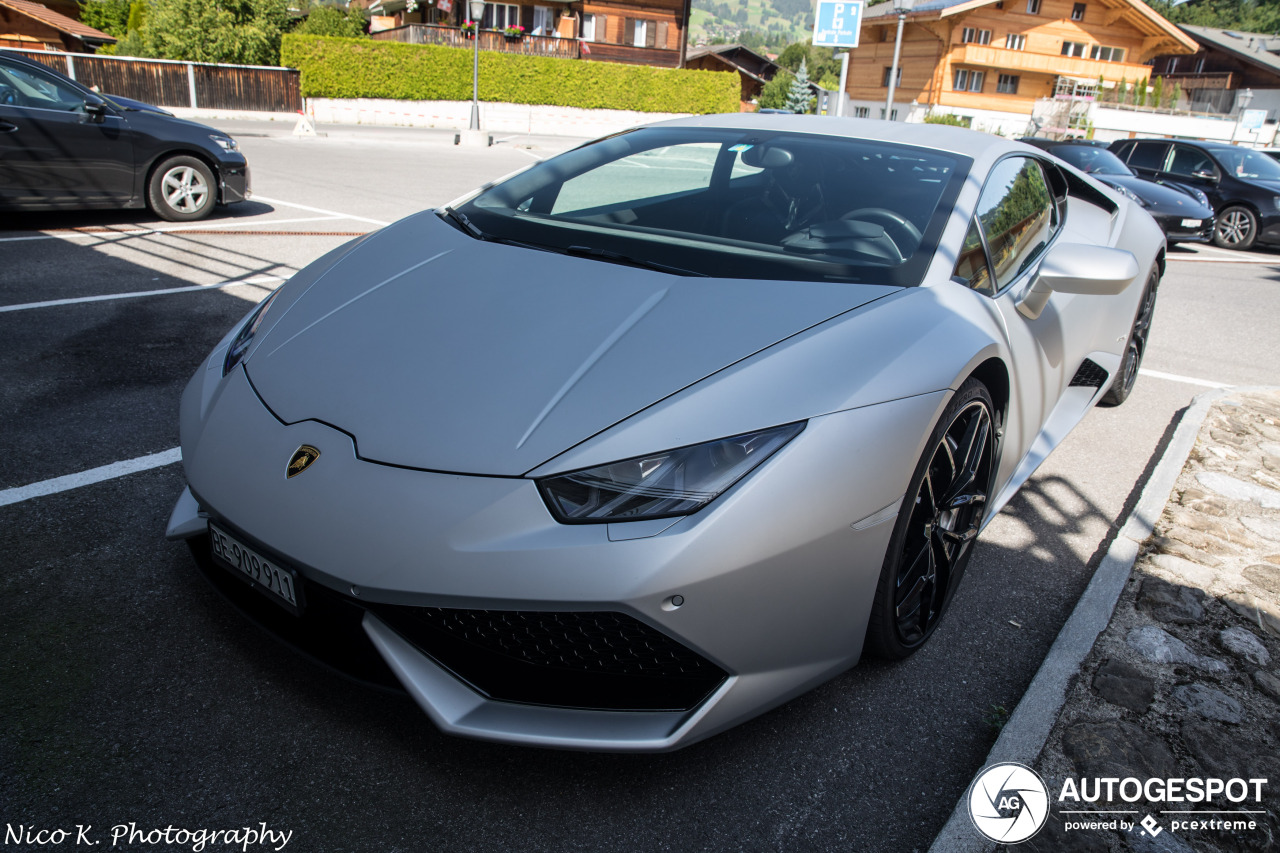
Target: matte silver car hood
{"points": [[440, 352]]}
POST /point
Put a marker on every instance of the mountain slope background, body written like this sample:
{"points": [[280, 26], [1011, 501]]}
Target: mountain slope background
{"points": [[757, 24]]}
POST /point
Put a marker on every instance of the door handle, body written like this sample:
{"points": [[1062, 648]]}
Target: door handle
{"points": [[6, 127]]}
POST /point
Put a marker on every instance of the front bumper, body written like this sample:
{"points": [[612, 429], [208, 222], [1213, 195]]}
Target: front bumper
{"points": [[234, 182], [1176, 232], [775, 578]]}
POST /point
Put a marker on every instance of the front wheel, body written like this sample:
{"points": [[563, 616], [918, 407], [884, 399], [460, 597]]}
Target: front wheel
{"points": [[181, 189], [1127, 376], [1235, 228], [937, 524]]}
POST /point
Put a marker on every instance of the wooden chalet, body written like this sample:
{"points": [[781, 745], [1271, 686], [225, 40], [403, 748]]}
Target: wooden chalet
{"points": [[996, 58], [1227, 62], [34, 26]]}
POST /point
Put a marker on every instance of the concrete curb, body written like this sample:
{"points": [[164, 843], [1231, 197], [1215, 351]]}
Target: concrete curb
{"points": [[1024, 736]]}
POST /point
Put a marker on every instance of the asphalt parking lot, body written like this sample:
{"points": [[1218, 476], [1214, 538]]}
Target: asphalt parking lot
{"points": [[131, 694]]}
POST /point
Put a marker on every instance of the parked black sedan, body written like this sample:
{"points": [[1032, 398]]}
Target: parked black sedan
{"points": [[1183, 212], [1243, 185], [63, 146]]}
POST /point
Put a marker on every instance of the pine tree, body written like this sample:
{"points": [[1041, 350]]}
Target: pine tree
{"points": [[800, 96], [1157, 92]]}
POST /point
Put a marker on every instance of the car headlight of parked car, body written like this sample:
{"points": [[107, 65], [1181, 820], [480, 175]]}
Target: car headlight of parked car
{"points": [[226, 143], [1129, 194], [1200, 196], [240, 344], [660, 485]]}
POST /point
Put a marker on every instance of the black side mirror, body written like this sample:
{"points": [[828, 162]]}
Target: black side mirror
{"points": [[96, 111]]}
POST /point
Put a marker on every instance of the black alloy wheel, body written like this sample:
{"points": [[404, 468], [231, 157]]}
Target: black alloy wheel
{"points": [[937, 524], [1127, 376], [1235, 228]]}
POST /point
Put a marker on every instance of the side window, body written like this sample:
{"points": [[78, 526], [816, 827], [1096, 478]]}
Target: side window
{"points": [[1190, 162], [23, 87], [1017, 215], [972, 266], [1148, 155]]}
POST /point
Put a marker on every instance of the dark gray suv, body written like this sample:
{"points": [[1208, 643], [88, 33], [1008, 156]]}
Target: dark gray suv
{"points": [[1242, 185], [65, 147]]}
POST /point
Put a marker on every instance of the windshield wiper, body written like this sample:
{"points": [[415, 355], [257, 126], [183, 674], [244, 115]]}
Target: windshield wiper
{"points": [[616, 258], [467, 224]]}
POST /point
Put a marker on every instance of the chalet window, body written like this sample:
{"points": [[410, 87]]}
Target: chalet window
{"points": [[892, 117], [1107, 54], [1076, 48], [884, 81], [543, 21], [1015, 42], [588, 27], [967, 80], [972, 35], [862, 112], [1077, 12], [1033, 7], [641, 33], [499, 15], [1007, 84]]}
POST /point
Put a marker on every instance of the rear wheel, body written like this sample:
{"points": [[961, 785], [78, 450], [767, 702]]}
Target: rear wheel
{"points": [[1127, 376], [937, 524], [182, 189], [1236, 228]]}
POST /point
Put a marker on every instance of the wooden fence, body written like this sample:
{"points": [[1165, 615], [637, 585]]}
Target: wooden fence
{"points": [[166, 83]]}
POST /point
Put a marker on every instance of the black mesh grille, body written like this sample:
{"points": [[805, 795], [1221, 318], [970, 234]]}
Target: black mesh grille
{"points": [[596, 659], [1089, 375]]}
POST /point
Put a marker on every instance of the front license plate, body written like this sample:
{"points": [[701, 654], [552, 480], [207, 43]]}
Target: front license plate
{"points": [[276, 582], [1191, 223]]}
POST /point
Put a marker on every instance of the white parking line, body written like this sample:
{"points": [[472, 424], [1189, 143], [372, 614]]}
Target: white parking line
{"points": [[109, 235], [378, 222], [88, 478], [1225, 260], [1186, 380], [107, 297]]}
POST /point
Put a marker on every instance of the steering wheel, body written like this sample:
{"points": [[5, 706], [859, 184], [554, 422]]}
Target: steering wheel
{"points": [[8, 96], [902, 231]]}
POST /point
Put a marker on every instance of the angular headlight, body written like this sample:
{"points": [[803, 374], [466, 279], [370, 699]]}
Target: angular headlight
{"points": [[240, 345], [661, 485], [226, 143], [1130, 194]]}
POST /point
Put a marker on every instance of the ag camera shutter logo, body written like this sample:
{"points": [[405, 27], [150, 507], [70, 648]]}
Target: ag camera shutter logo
{"points": [[1008, 803]]}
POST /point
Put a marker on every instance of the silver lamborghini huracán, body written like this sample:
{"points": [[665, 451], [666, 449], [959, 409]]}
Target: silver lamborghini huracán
{"points": [[640, 442]]}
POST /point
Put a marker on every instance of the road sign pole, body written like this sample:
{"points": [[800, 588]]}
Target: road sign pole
{"points": [[893, 72], [844, 82]]}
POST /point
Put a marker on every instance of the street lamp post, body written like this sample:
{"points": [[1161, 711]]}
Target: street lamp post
{"points": [[477, 12], [902, 7]]}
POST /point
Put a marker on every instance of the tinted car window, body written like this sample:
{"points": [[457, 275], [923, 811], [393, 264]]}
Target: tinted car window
{"points": [[1148, 155], [734, 204], [22, 87], [972, 267], [1094, 161], [1250, 165], [1017, 216], [1190, 161]]}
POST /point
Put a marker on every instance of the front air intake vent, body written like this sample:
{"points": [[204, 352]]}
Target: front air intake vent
{"points": [[1089, 375]]}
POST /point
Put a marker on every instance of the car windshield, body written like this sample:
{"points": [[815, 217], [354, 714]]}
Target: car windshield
{"points": [[1091, 160], [732, 204], [1248, 164]]}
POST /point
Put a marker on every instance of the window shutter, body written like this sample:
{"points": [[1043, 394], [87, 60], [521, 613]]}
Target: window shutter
{"points": [[602, 28], [526, 18], [650, 34], [663, 27]]}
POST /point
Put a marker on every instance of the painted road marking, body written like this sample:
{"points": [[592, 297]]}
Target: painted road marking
{"points": [[108, 236], [107, 297], [90, 477], [1186, 380], [377, 222]]}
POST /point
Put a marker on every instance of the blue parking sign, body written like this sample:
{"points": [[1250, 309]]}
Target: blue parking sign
{"points": [[836, 23]]}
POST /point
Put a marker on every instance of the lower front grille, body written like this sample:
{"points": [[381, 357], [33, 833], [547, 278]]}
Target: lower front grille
{"points": [[599, 660], [1090, 374]]}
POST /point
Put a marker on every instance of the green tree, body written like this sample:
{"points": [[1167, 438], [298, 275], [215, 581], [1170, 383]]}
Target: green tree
{"points": [[800, 95], [774, 94], [236, 31], [110, 16], [326, 20], [1157, 92], [1122, 90]]}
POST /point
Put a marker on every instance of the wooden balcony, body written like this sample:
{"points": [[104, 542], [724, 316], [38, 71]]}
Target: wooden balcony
{"points": [[1015, 61], [489, 40]]}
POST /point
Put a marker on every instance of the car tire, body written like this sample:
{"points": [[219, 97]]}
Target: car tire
{"points": [[1235, 228], [937, 524], [182, 189], [1136, 346]]}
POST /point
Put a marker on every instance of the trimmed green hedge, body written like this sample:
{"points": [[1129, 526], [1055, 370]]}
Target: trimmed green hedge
{"points": [[363, 68]]}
